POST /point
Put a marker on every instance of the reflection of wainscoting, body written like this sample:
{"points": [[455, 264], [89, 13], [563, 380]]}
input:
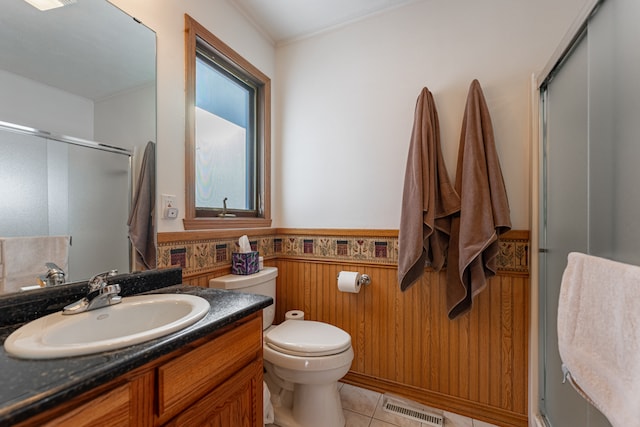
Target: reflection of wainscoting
{"points": [[403, 342]]}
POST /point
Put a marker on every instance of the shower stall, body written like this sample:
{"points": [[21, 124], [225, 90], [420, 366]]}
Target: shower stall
{"points": [[589, 186], [54, 185]]}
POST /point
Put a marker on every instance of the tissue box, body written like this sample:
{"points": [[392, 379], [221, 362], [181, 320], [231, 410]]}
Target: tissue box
{"points": [[244, 262]]}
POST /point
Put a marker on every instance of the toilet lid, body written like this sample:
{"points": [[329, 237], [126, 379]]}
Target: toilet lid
{"points": [[307, 338]]}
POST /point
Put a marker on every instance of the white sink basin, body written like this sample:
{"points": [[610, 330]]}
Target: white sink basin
{"points": [[136, 319]]}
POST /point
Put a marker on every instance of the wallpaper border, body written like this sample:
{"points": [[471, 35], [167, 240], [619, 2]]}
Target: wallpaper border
{"points": [[198, 254]]}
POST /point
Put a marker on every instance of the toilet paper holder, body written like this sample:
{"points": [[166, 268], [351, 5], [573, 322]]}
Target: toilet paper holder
{"points": [[363, 280]]}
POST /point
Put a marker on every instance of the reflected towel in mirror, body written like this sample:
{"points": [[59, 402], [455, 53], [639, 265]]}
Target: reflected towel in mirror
{"points": [[141, 219]]}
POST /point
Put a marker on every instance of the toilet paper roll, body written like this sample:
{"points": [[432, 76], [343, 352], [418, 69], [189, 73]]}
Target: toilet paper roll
{"points": [[349, 281], [294, 315]]}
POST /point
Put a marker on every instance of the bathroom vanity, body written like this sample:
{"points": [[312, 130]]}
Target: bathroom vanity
{"points": [[210, 372]]}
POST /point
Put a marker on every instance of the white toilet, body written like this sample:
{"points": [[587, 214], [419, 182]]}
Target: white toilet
{"points": [[303, 359]]}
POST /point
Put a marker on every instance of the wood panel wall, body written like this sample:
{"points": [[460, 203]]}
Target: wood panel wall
{"points": [[404, 342]]}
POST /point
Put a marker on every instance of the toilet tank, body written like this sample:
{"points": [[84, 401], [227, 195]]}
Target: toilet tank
{"points": [[263, 283]]}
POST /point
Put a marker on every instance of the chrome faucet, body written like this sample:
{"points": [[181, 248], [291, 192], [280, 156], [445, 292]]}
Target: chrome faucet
{"points": [[55, 276], [101, 294]]}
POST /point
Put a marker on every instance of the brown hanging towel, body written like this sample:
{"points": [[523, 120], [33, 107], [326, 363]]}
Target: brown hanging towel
{"points": [[484, 211], [141, 218], [428, 198]]}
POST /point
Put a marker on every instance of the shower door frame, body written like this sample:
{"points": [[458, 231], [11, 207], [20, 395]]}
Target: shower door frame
{"points": [[536, 370]]}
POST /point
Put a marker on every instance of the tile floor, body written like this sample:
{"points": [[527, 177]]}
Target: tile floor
{"points": [[363, 408]]}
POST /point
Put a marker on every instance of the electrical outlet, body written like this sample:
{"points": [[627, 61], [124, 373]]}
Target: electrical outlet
{"points": [[169, 209]]}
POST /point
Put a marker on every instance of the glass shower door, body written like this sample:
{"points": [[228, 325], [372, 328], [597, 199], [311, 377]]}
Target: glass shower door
{"points": [[565, 220], [590, 200]]}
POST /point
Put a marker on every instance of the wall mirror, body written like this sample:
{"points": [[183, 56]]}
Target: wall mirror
{"points": [[78, 107]]}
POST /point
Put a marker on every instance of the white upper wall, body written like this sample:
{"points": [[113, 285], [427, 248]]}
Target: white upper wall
{"points": [[166, 18], [128, 120], [33, 104], [346, 99]]}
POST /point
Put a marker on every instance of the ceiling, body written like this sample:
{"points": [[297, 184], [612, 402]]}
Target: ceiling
{"points": [[49, 47], [283, 21], [89, 48]]}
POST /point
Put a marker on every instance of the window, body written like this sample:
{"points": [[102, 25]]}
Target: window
{"points": [[228, 117]]}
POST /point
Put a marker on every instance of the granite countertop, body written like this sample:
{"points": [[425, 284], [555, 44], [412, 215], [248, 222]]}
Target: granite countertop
{"points": [[32, 386]]}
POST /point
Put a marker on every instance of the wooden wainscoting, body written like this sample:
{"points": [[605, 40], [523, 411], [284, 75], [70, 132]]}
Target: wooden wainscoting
{"points": [[404, 343]]}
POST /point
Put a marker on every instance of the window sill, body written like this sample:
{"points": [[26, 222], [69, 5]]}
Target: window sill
{"points": [[222, 223]]}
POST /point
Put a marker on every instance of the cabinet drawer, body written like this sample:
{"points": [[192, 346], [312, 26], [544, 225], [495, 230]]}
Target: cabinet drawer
{"points": [[187, 378], [127, 401], [112, 409]]}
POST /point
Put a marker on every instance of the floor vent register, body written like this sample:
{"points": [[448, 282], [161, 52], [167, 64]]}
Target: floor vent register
{"points": [[414, 412]]}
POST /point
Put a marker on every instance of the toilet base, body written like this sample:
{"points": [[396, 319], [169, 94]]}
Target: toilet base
{"points": [[305, 389], [309, 406], [317, 405]]}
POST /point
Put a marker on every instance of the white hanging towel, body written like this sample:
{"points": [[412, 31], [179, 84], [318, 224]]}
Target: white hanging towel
{"points": [[599, 334]]}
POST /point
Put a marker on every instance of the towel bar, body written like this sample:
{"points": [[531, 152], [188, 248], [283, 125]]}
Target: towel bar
{"points": [[566, 374]]}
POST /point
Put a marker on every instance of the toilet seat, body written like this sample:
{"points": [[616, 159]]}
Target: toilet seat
{"points": [[307, 338]]}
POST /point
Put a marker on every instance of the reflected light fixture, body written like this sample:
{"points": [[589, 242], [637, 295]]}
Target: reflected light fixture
{"points": [[49, 4]]}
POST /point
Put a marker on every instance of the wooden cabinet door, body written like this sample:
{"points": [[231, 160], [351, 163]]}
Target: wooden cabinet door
{"points": [[191, 376], [236, 402]]}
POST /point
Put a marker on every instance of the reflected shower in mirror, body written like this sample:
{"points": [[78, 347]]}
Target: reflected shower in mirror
{"points": [[83, 72]]}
